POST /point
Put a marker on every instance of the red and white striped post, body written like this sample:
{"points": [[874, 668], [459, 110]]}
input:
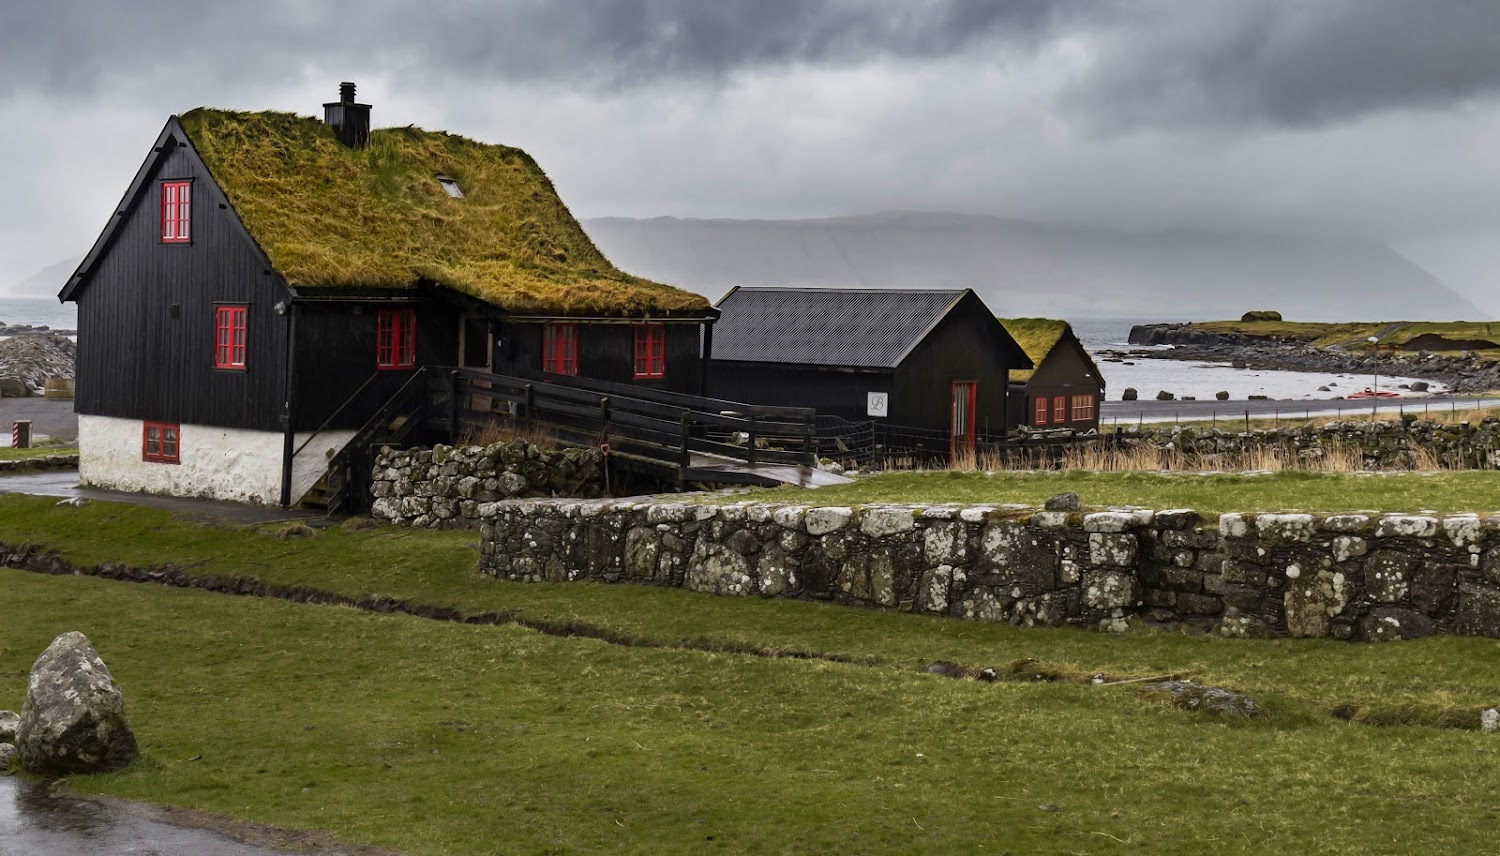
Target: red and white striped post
{"points": [[20, 434]]}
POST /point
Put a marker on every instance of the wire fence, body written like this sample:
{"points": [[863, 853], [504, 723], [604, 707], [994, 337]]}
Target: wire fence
{"points": [[885, 445]]}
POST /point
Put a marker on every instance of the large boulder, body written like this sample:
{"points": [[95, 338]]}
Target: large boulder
{"points": [[73, 720]]}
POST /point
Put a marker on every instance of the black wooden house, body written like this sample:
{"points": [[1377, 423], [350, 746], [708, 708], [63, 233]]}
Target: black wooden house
{"points": [[932, 360], [1061, 394], [268, 281]]}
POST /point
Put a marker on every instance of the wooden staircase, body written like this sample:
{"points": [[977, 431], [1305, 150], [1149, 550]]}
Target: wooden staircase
{"points": [[345, 486]]}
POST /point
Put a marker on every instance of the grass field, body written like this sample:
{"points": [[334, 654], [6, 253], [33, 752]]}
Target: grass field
{"points": [[435, 737], [9, 454], [1208, 494]]}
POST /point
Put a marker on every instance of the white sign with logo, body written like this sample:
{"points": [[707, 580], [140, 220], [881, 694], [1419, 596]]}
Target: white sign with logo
{"points": [[877, 403]]}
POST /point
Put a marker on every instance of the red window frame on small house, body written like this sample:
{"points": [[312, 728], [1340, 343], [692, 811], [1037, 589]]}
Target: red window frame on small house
{"points": [[396, 339], [1083, 408], [229, 337], [1059, 409], [176, 212], [560, 348], [161, 442], [1039, 416], [650, 351]]}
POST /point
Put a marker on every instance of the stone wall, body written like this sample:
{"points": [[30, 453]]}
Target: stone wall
{"points": [[1382, 444], [457, 487], [1346, 576]]}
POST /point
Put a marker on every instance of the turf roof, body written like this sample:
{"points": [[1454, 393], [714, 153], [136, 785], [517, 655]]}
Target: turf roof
{"points": [[331, 216], [1037, 337]]}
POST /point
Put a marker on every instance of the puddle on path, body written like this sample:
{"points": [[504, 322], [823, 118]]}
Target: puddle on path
{"points": [[35, 824]]}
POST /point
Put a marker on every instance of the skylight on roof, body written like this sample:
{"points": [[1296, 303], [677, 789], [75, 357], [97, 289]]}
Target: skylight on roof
{"points": [[451, 185]]}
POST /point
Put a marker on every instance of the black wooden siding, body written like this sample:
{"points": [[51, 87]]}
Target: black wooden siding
{"points": [[146, 318], [336, 356], [607, 352], [964, 346], [841, 392]]}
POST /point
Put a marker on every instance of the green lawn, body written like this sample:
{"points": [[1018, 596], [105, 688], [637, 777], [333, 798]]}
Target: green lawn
{"points": [[9, 454], [1208, 494], [435, 738]]}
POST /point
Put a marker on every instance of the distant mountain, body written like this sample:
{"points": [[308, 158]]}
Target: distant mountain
{"points": [[46, 282], [1025, 268]]}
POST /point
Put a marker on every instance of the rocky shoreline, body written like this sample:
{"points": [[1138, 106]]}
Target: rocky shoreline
{"points": [[1461, 374], [28, 359]]}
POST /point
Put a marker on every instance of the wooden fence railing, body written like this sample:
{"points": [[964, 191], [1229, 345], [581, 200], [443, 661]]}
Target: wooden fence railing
{"points": [[655, 428]]}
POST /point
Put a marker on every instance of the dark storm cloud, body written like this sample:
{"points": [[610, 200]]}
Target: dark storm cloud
{"points": [[1288, 64], [65, 47]]}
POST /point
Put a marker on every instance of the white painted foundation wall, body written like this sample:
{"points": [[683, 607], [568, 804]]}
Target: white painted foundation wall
{"points": [[217, 463]]}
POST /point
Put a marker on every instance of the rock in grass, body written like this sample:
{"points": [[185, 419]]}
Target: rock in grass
{"points": [[295, 530], [73, 720], [7, 756], [1489, 721], [10, 721], [1064, 502], [1191, 696]]}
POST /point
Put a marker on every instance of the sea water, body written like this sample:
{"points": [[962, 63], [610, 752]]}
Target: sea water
{"points": [[1202, 380]]}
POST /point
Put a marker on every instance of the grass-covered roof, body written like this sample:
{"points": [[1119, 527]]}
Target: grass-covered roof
{"points": [[1037, 337], [332, 216]]}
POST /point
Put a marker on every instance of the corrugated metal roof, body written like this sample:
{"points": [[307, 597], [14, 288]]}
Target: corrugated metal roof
{"points": [[868, 328]]}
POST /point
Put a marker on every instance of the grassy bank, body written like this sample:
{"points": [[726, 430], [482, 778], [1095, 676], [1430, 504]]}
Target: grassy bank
{"points": [[1209, 494], [9, 454], [434, 737]]}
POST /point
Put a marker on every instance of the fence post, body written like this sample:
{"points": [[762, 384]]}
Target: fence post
{"points": [[810, 440], [528, 400], [453, 406], [604, 419], [685, 457], [750, 446]]}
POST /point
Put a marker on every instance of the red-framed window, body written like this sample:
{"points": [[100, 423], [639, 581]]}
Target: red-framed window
{"points": [[1083, 408], [1059, 409], [560, 348], [1040, 417], [161, 442], [650, 351], [176, 212], [396, 338], [229, 337]]}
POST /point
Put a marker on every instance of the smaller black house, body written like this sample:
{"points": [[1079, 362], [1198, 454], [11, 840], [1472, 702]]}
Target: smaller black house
{"points": [[934, 360], [1063, 391]]}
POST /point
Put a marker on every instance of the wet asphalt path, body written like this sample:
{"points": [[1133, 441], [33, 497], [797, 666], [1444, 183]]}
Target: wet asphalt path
{"points": [[35, 824], [1125, 412], [64, 484]]}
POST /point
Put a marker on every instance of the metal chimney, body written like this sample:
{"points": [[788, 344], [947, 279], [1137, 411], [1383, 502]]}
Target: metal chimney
{"points": [[350, 121]]}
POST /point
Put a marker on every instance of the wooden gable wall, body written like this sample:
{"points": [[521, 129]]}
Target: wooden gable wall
{"points": [[146, 315]]}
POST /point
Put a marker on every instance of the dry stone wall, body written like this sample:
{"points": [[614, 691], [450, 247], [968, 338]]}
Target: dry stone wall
{"points": [[1383, 444], [455, 487], [1345, 576]]}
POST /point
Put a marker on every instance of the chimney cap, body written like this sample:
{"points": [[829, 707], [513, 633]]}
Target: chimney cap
{"points": [[346, 92]]}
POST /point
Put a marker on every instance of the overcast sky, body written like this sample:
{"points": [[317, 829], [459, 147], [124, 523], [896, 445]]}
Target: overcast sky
{"points": [[1364, 118]]}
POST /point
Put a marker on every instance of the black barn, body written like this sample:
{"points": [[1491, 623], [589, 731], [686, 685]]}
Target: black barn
{"points": [[269, 281], [934, 360], [1062, 393]]}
